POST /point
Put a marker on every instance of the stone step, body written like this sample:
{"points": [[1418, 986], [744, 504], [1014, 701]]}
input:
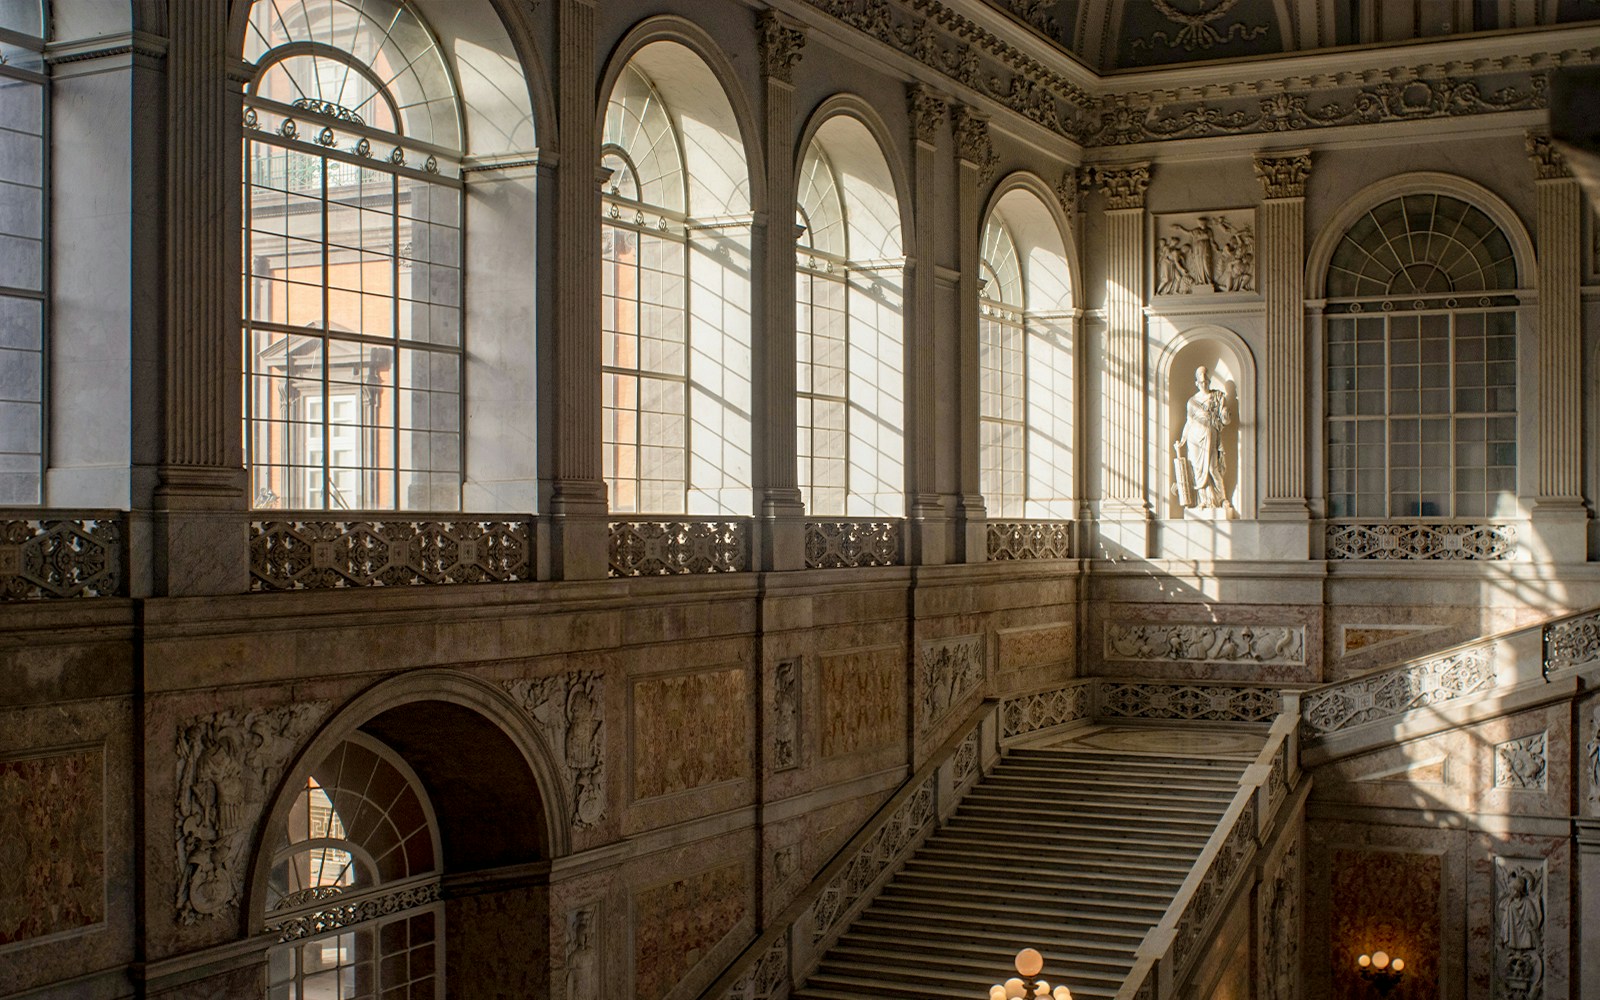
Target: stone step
{"points": [[1043, 810], [1039, 899], [882, 969], [914, 939], [1067, 795], [1045, 776], [1030, 926], [1048, 833], [1132, 885], [895, 898], [1087, 866]]}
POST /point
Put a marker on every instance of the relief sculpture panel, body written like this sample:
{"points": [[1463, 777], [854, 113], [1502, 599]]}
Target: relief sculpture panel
{"points": [[1519, 910], [951, 670], [711, 707], [1205, 253], [1264, 644], [570, 712], [677, 923], [52, 844], [861, 700]]}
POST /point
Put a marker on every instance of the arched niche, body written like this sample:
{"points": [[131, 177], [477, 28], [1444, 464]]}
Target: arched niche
{"points": [[500, 810], [1232, 369]]}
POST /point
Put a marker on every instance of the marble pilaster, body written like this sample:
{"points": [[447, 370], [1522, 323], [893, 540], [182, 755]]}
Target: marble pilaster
{"points": [[928, 538], [975, 160], [1124, 508]]}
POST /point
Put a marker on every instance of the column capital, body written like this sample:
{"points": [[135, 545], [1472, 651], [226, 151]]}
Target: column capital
{"points": [[928, 110], [1123, 185], [972, 139], [1071, 189], [1283, 173], [1548, 163], [782, 39]]}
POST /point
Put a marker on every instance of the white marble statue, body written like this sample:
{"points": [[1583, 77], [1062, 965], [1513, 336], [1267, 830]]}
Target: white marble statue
{"points": [[1199, 466]]}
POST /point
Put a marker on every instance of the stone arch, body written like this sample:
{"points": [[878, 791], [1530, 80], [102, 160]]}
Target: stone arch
{"points": [[856, 107], [1025, 180], [1232, 365], [1327, 240]]}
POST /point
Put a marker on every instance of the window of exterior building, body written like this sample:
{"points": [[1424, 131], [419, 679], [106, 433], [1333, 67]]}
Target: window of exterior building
{"points": [[353, 890], [675, 292], [848, 323], [353, 218], [24, 259], [1422, 374], [1025, 365]]}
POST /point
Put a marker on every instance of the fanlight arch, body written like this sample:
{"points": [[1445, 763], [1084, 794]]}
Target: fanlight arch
{"points": [[849, 324], [1421, 244], [1025, 357]]}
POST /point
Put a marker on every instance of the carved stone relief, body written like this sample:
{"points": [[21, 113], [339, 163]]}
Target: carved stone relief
{"points": [[1205, 253], [972, 140], [675, 925], [1389, 693], [951, 669], [227, 763], [1264, 644], [1520, 764], [861, 700], [1196, 29], [1591, 751], [1124, 186], [1280, 928], [786, 715], [1283, 176], [583, 952], [781, 43], [712, 706], [569, 710], [52, 844], [1519, 911], [928, 112]]}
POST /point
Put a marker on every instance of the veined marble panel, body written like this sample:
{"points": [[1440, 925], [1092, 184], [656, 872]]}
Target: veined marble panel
{"points": [[1034, 645], [52, 844], [689, 731], [1389, 901], [861, 700], [676, 923]]}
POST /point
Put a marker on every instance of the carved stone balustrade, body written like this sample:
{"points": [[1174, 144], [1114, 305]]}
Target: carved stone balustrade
{"points": [[1185, 702], [1387, 694], [1572, 641], [853, 543], [669, 548], [1398, 540], [60, 553], [384, 552], [1029, 540]]}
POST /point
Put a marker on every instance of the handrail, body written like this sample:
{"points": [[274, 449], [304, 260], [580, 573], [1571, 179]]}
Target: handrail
{"points": [[791, 946], [1168, 951]]}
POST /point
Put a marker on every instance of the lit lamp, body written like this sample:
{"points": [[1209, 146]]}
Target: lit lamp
{"points": [[1029, 964], [1381, 971]]}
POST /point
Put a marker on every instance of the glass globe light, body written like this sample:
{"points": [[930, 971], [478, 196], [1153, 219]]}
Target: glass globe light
{"points": [[1015, 988], [1380, 959], [1062, 993], [1029, 962], [1399, 965], [1364, 961], [997, 992]]}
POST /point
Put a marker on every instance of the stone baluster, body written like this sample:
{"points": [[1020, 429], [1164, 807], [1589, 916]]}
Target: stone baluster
{"points": [[1124, 509], [975, 163], [578, 495], [778, 501], [199, 530], [1558, 512], [1280, 272], [928, 538]]}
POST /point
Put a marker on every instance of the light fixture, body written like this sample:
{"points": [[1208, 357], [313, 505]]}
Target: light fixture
{"points": [[1382, 971], [1029, 964]]}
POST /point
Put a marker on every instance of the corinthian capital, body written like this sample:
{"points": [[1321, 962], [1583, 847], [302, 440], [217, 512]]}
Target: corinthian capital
{"points": [[1548, 163], [1283, 175], [972, 139], [1123, 185], [928, 111], [781, 42]]}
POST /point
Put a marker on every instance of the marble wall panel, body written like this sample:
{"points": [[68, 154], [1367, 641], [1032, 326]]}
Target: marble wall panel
{"points": [[863, 704], [1182, 641], [1363, 637], [497, 943], [1388, 900], [676, 923], [52, 844], [1030, 655], [690, 730]]}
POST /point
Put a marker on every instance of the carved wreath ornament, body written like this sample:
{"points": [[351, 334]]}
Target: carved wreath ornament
{"points": [[1196, 31]]}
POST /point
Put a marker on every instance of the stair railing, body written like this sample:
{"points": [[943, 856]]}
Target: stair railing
{"points": [[792, 946], [1168, 952]]}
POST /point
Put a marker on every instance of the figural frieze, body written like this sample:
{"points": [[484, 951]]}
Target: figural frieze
{"points": [[951, 669], [1591, 757], [1519, 912], [228, 763], [569, 710], [1520, 764], [1205, 253], [1263, 644]]}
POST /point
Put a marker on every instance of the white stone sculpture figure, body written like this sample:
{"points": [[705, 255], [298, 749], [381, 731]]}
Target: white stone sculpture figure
{"points": [[1204, 270], [1172, 274], [1593, 752], [1199, 466]]}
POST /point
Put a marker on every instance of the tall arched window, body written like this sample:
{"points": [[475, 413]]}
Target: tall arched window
{"points": [[848, 320], [353, 210], [675, 307], [1025, 362], [24, 105], [1422, 373], [353, 893]]}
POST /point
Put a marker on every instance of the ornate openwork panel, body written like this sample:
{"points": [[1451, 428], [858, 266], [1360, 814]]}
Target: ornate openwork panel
{"points": [[62, 556], [666, 548], [314, 555], [842, 544], [1030, 540], [1393, 540], [1216, 887], [1214, 703], [884, 850], [353, 339], [1030, 713], [1389, 694], [1572, 641]]}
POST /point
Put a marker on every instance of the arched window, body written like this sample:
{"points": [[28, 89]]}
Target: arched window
{"points": [[1025, 362], [353, 892], [353, 217], [848, 320], [1422, 373], [675, 287], [24, 106]]}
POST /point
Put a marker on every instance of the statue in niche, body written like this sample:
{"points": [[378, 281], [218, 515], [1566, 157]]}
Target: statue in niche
{"points": [[1199, 466]]}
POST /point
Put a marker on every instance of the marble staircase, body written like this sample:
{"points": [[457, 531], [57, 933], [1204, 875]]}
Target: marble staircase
{"points": [[1072, 849]]}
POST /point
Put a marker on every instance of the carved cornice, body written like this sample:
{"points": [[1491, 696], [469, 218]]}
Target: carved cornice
{"points": [[928, 111], [1283, 175], [781, 43], [972, 139], [1548, 163], [1123, 186]]}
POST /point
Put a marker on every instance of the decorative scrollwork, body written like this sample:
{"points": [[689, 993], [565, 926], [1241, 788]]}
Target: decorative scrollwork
{"points": [[666, 548], [51, 557], [767, 978], [354, 912], [1030, 713], [329, 108], [884, 850], [1387, 694], [1216, 887], [1571, 642], [310, 894], [840, 544], [1212, 703], [965, 764], [1030, 540], [1422, 541], [306, 555]]}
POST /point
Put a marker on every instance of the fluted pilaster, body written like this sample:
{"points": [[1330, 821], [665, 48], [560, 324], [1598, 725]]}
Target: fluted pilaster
{"points": [[1281, 264], [1123, 372], [929, 530], [975, 161], [1560, 227]]}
